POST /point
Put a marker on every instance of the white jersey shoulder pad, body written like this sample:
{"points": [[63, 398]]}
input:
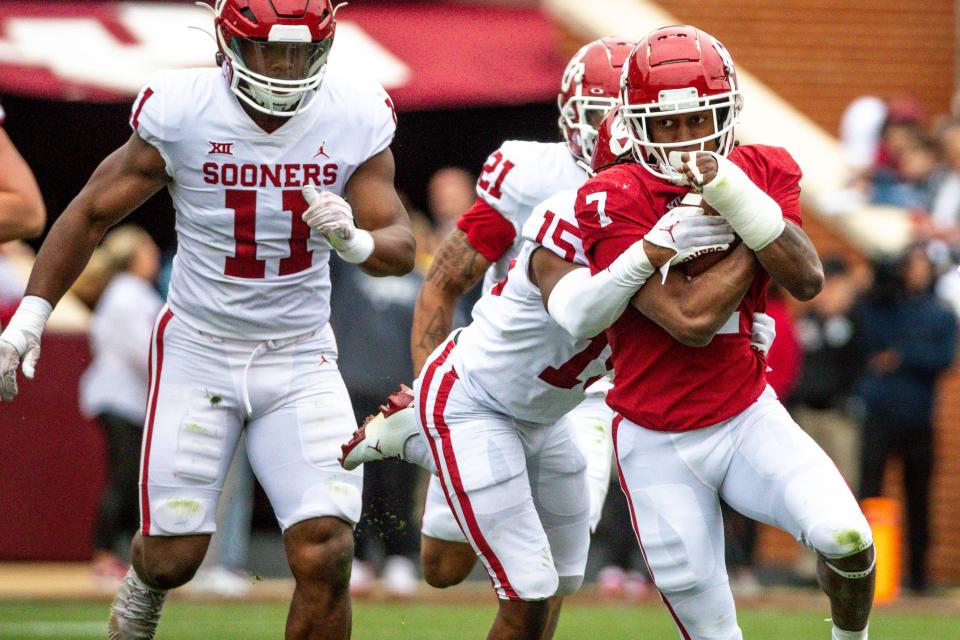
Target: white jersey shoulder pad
{"points": [[521, 174], [170, 100], [553, 226], [363, 102]]}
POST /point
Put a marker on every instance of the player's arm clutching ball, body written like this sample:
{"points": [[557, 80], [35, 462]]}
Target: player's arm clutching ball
{"points": [[692, 310], [369, 227], [585, 304], [121, 183], [782, 247]]}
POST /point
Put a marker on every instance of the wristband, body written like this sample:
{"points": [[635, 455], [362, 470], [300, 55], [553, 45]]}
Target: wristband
{"points": [[632, 267], [358, 248], [753, 214], [31, 317]]}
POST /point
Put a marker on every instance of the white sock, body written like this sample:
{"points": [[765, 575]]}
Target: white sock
{"points": [[417, 450], [840, 634]]}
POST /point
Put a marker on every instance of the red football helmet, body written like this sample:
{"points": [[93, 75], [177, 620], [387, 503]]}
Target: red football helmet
{"points": [[612, 142], [589, 88], [274, 52], [673, 71]]}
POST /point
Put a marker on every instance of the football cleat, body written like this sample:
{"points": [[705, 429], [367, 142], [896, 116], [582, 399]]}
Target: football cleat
{"points": [[381, 436], [135, 612]]}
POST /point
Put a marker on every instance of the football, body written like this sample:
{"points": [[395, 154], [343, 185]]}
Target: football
{"points": [[698, 264]]}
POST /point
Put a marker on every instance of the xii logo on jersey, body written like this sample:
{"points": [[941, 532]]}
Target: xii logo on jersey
{"points": [[220, 148]]}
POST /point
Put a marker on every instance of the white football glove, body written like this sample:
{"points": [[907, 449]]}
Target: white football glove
{"points": [[332, 217], [688, 231], [763, 333], [20, 342]]}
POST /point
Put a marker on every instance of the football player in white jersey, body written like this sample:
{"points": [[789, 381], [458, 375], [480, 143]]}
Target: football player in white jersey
{"points": [[22, 213], [493, 406], [272, 161], [515, 179]]}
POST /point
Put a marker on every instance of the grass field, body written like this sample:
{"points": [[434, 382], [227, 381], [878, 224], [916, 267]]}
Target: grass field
{"points": [[379, 621]]}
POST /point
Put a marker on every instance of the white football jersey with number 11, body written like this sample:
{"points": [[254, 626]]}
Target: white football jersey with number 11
{"points": [[247, 266], [514, 356]]}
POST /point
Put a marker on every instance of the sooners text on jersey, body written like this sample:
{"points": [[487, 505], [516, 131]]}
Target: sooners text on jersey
{"points": [[247, 266]]}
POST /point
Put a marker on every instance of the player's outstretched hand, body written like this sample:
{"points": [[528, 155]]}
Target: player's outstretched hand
{"points": [[16, 346], [20, 343]]}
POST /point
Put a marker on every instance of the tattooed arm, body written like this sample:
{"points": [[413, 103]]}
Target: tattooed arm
{"points": [[455, 270]]}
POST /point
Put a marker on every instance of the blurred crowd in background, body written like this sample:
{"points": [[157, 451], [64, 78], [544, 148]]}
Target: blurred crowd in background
{"points": [[857, 365]]}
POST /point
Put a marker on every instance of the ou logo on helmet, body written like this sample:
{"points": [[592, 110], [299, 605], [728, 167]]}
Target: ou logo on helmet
{"points": [[619, 137]]}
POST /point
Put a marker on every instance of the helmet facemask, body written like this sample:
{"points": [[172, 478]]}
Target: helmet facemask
{"points": [[579, 117], [724, 108], [589, 88], [277, 75]]}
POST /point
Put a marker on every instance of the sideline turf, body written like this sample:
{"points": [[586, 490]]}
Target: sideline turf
{"points": [[379, 621]]}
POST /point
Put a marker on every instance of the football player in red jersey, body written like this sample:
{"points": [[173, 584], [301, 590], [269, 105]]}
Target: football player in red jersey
{"points": [[22, 213], [502, 394], [696, 420], [244, 344]]}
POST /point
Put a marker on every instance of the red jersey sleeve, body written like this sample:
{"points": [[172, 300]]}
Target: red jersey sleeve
{"points": [[613, 211], [487, 230], [776, 172]]}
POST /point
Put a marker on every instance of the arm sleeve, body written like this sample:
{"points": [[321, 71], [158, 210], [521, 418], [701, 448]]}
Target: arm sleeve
{"points": [[487, 230]]}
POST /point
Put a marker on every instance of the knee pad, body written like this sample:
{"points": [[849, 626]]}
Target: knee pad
{"points": [[537, 583], [526, 560], [569, 585], [839, 537], [182, 515]]}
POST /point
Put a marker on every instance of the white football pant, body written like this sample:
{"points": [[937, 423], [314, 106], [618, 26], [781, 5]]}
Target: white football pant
{"points": [[763, 465]]}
